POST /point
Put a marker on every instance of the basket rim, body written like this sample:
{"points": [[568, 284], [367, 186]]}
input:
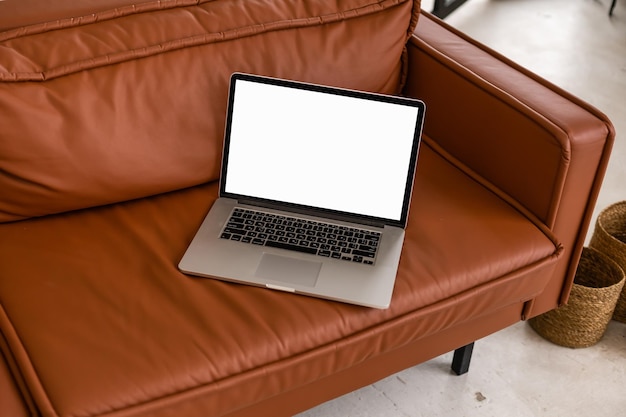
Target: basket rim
{"points": [[613, 268], [619, 208]]}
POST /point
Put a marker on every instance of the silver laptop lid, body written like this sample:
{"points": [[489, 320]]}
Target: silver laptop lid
{"points": [[337, 153]]}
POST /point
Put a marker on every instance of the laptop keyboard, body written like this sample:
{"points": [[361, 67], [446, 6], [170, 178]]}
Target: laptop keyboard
{"points": [[322, 239]]}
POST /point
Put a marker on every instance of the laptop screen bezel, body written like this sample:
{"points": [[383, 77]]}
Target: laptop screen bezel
{"points": [[316, 211]]}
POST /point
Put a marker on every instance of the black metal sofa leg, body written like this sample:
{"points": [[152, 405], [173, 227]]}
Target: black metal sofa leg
{"points": [[461, 359]]}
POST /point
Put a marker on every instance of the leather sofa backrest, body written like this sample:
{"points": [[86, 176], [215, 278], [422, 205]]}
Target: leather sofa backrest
{"points": [[123, 100]]}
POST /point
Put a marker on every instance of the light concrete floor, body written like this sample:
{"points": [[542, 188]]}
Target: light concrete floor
{"points": [[575, 45]]}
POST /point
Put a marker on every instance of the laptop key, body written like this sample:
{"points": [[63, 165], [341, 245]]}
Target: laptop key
{"points": [[234, 231], [362, 253], [283, 245]]}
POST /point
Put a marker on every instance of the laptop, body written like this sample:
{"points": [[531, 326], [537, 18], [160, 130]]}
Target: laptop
{"points": [[314, 192]]}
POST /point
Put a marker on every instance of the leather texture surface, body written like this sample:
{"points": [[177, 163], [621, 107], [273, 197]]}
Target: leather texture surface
{"points": [[109, 150], [131, 101], [141, 336]]}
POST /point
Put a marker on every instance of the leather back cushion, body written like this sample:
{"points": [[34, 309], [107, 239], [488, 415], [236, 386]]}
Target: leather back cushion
{"points": [[129, 101]]}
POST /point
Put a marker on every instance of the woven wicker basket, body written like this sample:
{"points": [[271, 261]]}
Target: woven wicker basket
{"points": [[609, 237], [583, 321]]}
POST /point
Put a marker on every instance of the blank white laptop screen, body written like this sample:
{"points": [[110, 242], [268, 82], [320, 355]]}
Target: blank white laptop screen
{"points": [[321, 150]]}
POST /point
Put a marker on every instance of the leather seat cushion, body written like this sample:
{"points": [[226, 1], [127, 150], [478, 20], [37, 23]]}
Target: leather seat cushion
{"points": [[100, 321]]}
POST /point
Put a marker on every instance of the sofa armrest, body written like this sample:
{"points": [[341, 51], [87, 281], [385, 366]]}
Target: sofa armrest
{"points": [[539, 145]]}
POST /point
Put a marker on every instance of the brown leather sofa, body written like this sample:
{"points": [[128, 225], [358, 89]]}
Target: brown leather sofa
{"points": [[111, 119]]}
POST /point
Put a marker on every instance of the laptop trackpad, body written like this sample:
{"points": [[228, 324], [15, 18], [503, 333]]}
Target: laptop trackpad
{"points": [[288, 270]]}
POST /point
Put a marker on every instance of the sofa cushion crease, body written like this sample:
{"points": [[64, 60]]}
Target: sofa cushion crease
{"points": [[91, 46], [35, 16], [13, 403]]}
